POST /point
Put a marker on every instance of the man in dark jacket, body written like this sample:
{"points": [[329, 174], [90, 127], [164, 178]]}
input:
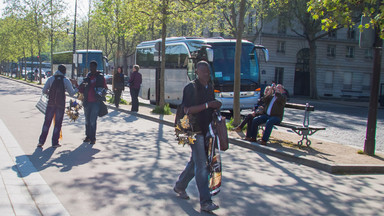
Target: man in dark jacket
{"points": [[118, 83], [55, 88], [274, 111], [134, 87], [94, 88]]}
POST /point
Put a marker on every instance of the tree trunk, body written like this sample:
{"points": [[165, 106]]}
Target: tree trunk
{"points": [[237, 84], [312, 70], [32, 71], [162, 70], [370, 140], [25, 65], [125, 56]]}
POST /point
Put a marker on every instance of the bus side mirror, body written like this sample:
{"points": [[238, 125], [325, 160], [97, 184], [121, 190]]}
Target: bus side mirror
{"points": [[266, 54], [209, 54]]}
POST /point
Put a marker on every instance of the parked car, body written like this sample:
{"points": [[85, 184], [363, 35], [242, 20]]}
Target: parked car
{"points": [[108, 78]]}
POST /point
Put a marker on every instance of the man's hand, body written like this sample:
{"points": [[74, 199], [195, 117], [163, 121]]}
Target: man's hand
{"points": [[74, 82], [214, 104]]}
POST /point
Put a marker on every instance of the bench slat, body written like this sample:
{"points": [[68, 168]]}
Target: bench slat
{"points": [[299, 106], [299, 127]]}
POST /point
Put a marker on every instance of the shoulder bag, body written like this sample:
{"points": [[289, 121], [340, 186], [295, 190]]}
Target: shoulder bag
{"points": [[221, 131], [103, 109], [42, 103]]}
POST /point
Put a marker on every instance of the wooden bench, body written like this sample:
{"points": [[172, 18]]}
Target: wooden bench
{"points": [[303, 130]]}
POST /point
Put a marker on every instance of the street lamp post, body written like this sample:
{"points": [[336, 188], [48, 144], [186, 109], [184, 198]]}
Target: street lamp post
{"points": [[74, 43]]}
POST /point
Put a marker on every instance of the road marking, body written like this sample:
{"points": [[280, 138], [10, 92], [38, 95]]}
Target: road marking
{"points": [[28, 193]]}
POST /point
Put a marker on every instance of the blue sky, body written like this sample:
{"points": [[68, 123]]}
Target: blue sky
{"points": [[82, 8]]}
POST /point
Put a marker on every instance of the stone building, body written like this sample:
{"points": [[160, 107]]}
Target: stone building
{"points": [[344, 70]]}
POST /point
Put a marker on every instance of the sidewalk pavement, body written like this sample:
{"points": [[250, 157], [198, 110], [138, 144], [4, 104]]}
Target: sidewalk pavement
{"points": [[24, 194], [30, 195], [322, 154]]}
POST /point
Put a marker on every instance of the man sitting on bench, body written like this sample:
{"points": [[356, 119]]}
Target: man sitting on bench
{"points": [[273, 114]]}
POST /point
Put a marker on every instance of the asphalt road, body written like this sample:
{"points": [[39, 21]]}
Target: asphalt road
{"points": [[135, 162]]}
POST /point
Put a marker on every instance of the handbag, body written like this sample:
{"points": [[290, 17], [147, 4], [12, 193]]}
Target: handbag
{"points": [[221, 130], [184, 126], [103, 109], [41, 105]]}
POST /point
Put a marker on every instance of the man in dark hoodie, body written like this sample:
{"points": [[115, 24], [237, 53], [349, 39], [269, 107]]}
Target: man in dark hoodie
{"points": [[55, 88]]}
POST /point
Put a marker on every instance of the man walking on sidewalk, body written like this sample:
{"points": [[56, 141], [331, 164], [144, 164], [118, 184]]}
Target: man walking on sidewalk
{"points": [[55, 88], [199, 100]]}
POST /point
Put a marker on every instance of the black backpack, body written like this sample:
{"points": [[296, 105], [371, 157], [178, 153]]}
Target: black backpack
{"points": [[56, 94]]}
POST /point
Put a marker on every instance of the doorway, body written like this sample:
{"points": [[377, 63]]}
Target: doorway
{"points": [[302, 78]]}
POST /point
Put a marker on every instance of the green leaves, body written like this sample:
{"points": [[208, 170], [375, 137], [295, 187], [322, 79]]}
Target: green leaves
{"points": [[347, 13]]}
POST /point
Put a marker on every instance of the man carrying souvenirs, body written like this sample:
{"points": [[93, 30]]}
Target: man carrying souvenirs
{"points": [[55, 88], [199, 101]]}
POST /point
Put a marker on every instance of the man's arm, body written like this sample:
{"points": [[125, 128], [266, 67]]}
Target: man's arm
{"points": [[68, 86], [47, 85]]}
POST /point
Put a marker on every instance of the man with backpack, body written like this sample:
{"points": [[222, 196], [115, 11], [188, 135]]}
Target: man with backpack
{"points": [[55, 88]]}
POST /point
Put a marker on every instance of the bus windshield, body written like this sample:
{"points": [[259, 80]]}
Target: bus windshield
{"points": [[224, 64]]}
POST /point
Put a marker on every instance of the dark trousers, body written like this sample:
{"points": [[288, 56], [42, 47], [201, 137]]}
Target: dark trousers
{"points": [[58, 113], [117, 97], [269, 122], [248, 120], [91, 112], [135, 100]]}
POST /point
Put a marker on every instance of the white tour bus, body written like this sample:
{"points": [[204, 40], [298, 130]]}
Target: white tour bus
{"points": [[182, 53]]}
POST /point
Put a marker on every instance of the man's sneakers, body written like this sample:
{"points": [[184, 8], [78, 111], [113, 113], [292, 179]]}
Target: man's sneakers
{"points": [[182, 194], [262, 142], [88, 140], [209, 207], [237, 129], [56, 145]]}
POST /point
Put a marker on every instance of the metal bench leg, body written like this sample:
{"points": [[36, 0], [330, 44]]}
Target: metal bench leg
{"points": [[304, 136]]}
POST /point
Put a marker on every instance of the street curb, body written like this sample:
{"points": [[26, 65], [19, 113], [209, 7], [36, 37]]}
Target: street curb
{"points": [[330, 168]]}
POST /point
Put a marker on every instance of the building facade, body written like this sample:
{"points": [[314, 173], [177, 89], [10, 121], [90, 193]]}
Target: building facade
{"points": [[344, 70]]}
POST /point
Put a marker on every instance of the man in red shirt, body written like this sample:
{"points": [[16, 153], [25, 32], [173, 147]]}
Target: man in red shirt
{"points": [[94, 89]]}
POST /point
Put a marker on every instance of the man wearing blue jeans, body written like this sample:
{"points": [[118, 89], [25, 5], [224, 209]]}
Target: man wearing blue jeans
{"points": [[199, 100], [274, 112]]}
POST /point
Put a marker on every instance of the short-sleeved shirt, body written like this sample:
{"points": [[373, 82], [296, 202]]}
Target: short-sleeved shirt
{"points": [[195, 94]]}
